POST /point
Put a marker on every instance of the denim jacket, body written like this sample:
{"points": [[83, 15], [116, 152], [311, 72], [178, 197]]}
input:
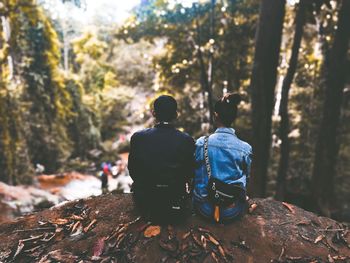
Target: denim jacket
{"points": [[229, 157]]}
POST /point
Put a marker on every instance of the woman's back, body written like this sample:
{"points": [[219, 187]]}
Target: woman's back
{"points": [[222, 166], [229, 159]]}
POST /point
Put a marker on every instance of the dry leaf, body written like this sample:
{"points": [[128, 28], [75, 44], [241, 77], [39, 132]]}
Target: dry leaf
{"points": [[75, 227], [75, 217], [19, 248], [59, 221], [213, 240], [319, 238], [213, 255], [98, 247], [222, 251], [289, 207], [330, 259], [252, 208], [86, 229], [152, 231], [186, 235], [204, 241]]}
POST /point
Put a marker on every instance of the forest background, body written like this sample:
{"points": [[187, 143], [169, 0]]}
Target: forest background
{"points": [[72, 91]]}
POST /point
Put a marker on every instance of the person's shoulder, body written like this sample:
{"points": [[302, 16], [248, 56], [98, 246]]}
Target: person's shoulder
{"points": [[246, 147], [200, 141], [185, 136], [141, 133]]}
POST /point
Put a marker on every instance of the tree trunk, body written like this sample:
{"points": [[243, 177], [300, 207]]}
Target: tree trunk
{"points": [[263, 82], [211, 64], [283, 111], [327, 146], [206, 76]]}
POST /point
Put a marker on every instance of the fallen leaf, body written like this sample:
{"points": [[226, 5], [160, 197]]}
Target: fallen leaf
{"points": [[213, 255], [222, 251], [98, 247], [289, 207], [59, 221], [204, 241], [186, 235], [213, 240], [78, 230], [19, 248], [75, 217], [86, 229], [152, 231], [319, 238], [75, 226], [252, 208], [330, 259]]}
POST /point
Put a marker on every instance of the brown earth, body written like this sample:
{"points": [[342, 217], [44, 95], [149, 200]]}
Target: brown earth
{"points": [[101, 229]]}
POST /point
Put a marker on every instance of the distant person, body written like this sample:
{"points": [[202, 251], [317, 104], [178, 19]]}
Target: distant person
{"points": [[223, 166], [124, 181], [106, 171], [161, 163]]}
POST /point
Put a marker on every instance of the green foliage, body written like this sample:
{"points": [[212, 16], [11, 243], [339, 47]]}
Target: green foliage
{"points": [[184, 32], [37, 56], [81, 128]]}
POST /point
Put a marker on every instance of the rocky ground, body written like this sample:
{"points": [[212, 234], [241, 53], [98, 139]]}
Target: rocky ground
{"points": [[49, 190], [108, 229]]}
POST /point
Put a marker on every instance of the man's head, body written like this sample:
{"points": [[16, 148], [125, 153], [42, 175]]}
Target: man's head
{"points": [[165, 108]]}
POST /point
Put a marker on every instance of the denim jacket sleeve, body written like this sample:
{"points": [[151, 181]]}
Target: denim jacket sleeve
{"points": [[247, 163]]}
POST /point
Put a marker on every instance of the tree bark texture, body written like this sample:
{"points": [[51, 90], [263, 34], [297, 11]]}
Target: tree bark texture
{"points": [[327, 146], [263, 82], [283, 111]]}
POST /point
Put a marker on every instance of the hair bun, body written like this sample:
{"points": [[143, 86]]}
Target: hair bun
{"points": [[232, 98]]}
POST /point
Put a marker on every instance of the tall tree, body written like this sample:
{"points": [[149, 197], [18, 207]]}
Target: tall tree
{"points": [[327, 146], [196, 37], [300, 20], [263, 81]]}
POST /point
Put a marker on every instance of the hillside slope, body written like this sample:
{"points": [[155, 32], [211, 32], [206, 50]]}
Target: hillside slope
{"points": [[108, 229]]}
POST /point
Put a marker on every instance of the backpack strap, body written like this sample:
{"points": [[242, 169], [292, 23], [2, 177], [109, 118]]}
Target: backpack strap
{"points": [[206, 156]]}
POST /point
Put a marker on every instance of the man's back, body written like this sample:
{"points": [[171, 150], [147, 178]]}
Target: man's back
{"points": [[160, 152], [161, 162]]}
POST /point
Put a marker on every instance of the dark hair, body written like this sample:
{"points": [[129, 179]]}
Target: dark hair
{"points": [[226, 108], [165, 108]]}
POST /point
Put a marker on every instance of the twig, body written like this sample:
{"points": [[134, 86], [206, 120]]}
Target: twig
{"points": [[289, 207], [285, 223], [86, 229], [332, 230], [306, 238], [34, 229], [282, 254]]}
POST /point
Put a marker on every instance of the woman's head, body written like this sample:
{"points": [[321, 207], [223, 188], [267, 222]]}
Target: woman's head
{"points": [[226, 108]]}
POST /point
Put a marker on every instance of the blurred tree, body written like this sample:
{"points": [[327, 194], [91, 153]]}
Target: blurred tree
{"points": [[300, 20], [197, 40], [327, 146], [263, 81], [35, 48]]}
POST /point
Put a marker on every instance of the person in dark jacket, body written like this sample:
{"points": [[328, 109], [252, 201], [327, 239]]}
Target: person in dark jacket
{"points": [[161, 164]]}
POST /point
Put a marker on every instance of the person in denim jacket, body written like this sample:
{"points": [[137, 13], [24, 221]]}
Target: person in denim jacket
{"points": [[229, 158]]}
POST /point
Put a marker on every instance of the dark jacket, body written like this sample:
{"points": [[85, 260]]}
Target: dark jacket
{"points": [[157, 153]]}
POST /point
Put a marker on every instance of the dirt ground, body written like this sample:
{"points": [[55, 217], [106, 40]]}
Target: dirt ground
{"points": [[107, 229]]}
